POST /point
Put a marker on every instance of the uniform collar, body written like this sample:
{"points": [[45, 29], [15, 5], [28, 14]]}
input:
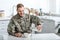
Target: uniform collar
{"points": [[20, 16]]}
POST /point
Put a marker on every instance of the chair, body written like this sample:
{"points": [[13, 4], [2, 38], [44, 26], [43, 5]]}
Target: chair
{"points": [[48, 26]]}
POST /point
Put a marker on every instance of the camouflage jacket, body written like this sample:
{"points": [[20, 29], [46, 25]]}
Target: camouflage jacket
{"points": [[22, 24]]}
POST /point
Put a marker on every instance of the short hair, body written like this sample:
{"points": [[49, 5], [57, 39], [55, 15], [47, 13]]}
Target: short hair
{"points": [[19, 6]]}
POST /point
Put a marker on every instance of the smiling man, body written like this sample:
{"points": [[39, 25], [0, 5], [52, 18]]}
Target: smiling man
{"points": [[21, 22]]}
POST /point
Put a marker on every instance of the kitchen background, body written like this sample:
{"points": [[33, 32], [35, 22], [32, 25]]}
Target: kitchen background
{"points": [[46, 5], [49, 8]]}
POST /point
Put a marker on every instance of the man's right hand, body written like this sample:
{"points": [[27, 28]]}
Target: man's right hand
{"points": [[18, 34]]}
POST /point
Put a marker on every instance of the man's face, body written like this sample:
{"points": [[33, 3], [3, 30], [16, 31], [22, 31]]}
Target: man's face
{"points": [[20, 11]]}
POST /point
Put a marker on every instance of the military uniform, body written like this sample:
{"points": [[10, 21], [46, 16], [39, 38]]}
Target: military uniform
{"points": [[22, 24]]}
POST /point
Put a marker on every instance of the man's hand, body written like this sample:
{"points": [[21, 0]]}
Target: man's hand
{"points": [[39, 27], [18, 34]]}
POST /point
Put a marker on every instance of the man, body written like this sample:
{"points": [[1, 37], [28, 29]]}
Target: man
{"points": [[20, 23]]}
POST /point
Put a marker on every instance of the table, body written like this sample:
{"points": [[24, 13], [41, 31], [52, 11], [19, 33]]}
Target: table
{"points": [[45, 36], [42, 36]]}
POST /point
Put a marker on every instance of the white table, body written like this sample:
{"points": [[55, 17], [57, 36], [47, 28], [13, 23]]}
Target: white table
{"points": [[5, 18], [45, 36]]}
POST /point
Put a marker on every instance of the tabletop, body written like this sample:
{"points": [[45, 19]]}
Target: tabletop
{"points": [[42, 36]]}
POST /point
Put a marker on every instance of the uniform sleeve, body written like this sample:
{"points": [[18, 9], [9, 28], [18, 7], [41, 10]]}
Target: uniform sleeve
{"points": [[38, 21], [35, 20], [11, 29]]}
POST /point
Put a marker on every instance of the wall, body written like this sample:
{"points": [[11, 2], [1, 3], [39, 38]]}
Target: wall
{"points": [[9, 5], [44, 4], [58, 6], [52, 6]]}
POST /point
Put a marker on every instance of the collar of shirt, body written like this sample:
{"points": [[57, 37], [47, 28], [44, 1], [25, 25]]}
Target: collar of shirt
{"points": [[20, 16]]}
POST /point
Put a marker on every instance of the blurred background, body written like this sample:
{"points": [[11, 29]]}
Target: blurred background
{"points": [[47, 10]]}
